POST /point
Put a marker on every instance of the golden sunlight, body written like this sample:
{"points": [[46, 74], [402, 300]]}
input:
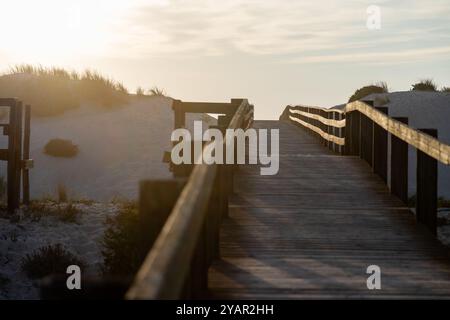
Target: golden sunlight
{"points": [[51, 31]]}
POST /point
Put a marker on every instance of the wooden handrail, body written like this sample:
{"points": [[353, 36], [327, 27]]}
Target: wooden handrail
{"points": [[421, 141], [166, 267], [324, 135], [326, 121], [366, 134], [328, 124]]}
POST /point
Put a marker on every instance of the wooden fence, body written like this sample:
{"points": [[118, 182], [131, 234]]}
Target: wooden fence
{"points": [[182, 216], [18, 152], [361, 129]]}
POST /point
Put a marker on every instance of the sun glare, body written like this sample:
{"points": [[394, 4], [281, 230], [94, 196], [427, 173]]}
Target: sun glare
{"points": [[52, 30]]}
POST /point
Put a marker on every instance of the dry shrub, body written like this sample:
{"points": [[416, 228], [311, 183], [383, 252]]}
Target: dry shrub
{"points": [[61, 148], [47, 260]]}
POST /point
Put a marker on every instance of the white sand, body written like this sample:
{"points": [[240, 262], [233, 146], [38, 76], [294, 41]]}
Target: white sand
{"points": [[118, 148], [22, 238]]}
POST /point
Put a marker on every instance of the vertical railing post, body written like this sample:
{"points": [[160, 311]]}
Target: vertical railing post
{"points": [[380, 145], [342, 131], [348, 133], [335, 116], [18, 154], [156, 201], [399, 165], [325, 129], [181, 170], [179, 114], [26, 155], [426, 190], [330, 130], [13, 165], [366, 139], [354, 133]]}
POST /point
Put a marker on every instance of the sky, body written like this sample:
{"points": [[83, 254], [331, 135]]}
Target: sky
{"points": [[272, 52]]}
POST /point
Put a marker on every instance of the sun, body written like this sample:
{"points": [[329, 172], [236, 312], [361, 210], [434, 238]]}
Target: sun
{"points": [[49, 31]]}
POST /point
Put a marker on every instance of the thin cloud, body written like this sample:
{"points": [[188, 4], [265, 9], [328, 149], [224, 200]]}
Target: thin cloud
{"points": [[282, 27]]}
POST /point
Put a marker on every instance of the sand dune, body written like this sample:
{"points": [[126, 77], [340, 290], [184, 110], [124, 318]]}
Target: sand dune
{"points": [[117, 148]]}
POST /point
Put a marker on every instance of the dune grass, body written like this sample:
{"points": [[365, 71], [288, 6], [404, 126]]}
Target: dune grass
{"points": [[52, 91], [425, 85], [153, 92], [380, 87]]}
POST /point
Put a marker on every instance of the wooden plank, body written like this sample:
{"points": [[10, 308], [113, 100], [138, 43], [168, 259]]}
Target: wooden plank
{"points": [[297, 235]]}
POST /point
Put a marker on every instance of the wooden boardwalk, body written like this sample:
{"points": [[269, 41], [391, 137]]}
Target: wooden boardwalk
{"points": [[312, 230]]}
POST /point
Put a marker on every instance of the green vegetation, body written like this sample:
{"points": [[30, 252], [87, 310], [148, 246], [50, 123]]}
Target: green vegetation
{"points": [[61, 148], [67, 212], [123, 249], [445, 89], [52, 91], [424, 85], [51, 259], [380, 87]]}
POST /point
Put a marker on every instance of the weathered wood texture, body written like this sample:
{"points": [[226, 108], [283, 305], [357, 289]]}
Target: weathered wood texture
{"points": [[184, 240], [312, 230], [17, 154]]}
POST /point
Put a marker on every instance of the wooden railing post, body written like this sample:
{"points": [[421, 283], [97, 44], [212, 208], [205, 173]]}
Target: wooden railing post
{"points": [[156, 201], [342, 132], [347, 133], [14, 155], [380, 145], [399, 165], [426, 191], [179, 114], [334, 130], [366, 139], [352, 133], [329, 116], [26, 155]]}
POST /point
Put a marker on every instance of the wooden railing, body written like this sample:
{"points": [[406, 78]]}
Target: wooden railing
{"points": [[181, 217], [361, 129], [327, 124], [17, 154]]}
